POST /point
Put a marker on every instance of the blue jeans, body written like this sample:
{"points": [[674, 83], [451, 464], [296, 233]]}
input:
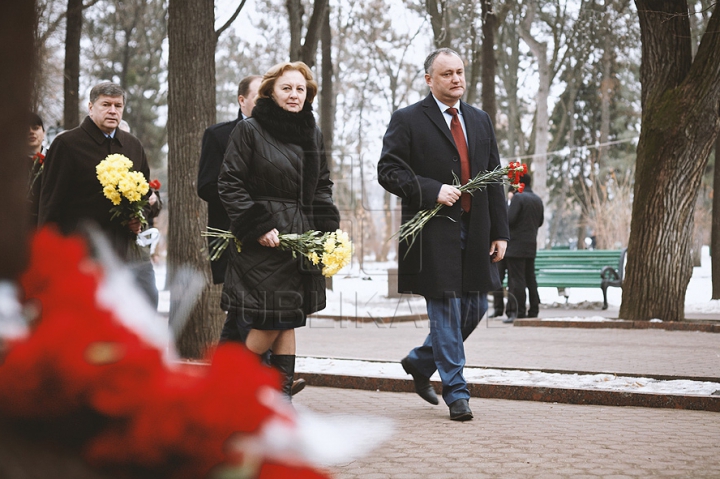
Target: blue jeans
{"points": [[452, 319]]}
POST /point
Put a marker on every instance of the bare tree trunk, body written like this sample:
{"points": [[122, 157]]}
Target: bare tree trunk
{"points": [[473, 74], [509, 65], [71, 83], [715, 241], [306, 50], [312, 36], [489, 102], [606, 92], [679, 125], [542, 115], [191, 107], [16, 55], [295, 13], [327, 94], [442, 35]]}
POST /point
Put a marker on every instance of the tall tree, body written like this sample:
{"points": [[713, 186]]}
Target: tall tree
{"points": [[489, 27], [305, 50], [48, 78], [71, 76], [16, 62], [440, 21], [124, 35], [327, 93], [191, 108], [715, 233], [680, 121]]}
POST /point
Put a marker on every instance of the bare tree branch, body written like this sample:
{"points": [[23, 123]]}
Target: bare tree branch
{"points": [[234, 16]]}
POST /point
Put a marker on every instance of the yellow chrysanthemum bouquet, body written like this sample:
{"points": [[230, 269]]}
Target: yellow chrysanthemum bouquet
{"points": [[332, 250], [124, 187]]}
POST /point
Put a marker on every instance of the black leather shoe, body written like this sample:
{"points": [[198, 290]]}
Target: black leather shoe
{"points": [[460, 410], [297, 386], [511, 318], [496, 314], [422, 384]]}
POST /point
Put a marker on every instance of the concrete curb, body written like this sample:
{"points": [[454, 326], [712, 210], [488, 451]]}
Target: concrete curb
{"points": [[526, 393], [704, 327]]}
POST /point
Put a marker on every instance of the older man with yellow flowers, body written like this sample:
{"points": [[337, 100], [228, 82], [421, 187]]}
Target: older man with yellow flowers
{"points": [[71, 193]]}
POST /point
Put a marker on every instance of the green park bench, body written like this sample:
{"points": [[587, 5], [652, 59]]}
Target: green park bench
{"points": [[580, 269]]}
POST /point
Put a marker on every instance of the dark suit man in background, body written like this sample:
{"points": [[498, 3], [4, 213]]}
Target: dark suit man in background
{"points": [[450, 263], [214, 143], [525, 216]]}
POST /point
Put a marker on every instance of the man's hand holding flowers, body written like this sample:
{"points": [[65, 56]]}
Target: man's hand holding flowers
{"points": [[125, 188]]}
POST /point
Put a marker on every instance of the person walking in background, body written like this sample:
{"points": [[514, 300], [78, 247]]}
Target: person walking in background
{"points": [[426, 145], [275, 179], [71, 193], [36, 153], [499, 295], [526, 215]]}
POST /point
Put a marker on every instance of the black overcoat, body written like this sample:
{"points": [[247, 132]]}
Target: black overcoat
{"points": [[265, 183], [525, 216], [214, 143], [70, 191], [418, 157]]}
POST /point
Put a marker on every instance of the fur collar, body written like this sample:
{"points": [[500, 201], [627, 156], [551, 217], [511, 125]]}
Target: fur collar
{"points": [[297, 129], [288, 127]]}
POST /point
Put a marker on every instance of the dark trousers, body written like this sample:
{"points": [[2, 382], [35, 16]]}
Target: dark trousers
{"points": [[499, 295], [521, 276], [452, 320]]}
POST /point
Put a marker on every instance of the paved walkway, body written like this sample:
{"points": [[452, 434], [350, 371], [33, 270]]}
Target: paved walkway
{"points": [[509, 439], [497, 345], [524, 439]]}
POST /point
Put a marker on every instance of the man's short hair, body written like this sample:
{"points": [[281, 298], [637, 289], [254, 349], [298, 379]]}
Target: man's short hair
{"points": [[35, 120], [106, 88], [526, 180], [440, 51], [244, 85], [275, 72]]}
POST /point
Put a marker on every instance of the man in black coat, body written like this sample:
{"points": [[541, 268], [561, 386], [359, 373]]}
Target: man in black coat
{"points": [[526, 215], [214, 143], [450, 263], [71, 192]]}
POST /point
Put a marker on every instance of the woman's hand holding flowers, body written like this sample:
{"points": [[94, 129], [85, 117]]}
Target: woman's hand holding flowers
{"points": [[270, 239]]}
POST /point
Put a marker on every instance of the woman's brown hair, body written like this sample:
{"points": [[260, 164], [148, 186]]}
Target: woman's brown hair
{"points": [[275, 72]]}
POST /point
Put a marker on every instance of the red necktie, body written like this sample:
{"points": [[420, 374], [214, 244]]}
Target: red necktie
{"points": [[459, 137]]}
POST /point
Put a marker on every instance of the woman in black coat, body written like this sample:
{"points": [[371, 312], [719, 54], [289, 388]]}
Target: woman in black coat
{"points": [[275, 180]]}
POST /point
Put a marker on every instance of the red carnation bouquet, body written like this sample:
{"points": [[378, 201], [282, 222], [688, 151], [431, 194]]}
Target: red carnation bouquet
{"points": [[92, 384], [513, 172], [38, 163]]}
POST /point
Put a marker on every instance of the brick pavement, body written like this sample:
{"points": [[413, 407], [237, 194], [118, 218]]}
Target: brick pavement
{"points": [[521, 439]]}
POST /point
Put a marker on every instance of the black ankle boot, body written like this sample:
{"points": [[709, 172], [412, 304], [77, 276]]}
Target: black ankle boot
{"points": [[285, 363]]}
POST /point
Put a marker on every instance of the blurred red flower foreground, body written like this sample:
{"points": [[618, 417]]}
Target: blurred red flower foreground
{"points": [[85, 382]]}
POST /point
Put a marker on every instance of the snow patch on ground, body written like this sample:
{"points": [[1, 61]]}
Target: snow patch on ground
{"points": [[606, 382], [361, 290]]}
